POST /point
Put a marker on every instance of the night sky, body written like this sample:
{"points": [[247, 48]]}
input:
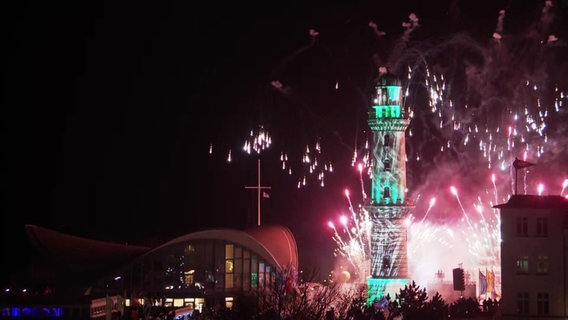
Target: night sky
{"points": [[109, 110]]}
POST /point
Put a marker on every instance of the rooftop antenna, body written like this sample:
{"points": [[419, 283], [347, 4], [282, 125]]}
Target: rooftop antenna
{"points": [[520, 164]]}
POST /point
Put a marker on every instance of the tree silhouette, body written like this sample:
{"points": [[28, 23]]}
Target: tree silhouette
{"points": [[412, 302], [437, 308], [465, 308]]}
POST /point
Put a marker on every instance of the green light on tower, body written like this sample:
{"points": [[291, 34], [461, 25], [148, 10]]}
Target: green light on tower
{"points": [[388, 208], [387, 102], [378, 289]]}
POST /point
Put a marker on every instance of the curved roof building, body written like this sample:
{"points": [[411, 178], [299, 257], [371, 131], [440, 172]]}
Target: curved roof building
{"points": [[204, 268]]}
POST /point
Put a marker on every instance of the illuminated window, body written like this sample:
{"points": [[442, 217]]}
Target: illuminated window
{"points": [[542, 302], [189, 277], [229, 265], [229, 255], [386, 112], [541, 227], [523, 303], [522, 227], [382, 96], [229, 302], [189, 302], [395, 111], [229, 281], [178, 302], [229, 251], [523, 265], [379, 112], [542, 265], [393, 94], [254, 280], [254, 271], [199, 303]]}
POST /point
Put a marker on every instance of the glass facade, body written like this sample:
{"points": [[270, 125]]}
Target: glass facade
{"points": [[212, 271]]}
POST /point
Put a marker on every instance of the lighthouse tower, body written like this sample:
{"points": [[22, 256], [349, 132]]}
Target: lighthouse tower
{"points": [[389, 206]]}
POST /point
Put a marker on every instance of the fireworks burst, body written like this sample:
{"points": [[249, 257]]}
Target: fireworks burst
{"points": [[475, 105], [505, 110]]}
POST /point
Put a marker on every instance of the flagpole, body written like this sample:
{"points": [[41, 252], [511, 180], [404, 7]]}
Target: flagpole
{"points": [[520, 164], [258, 197], [516, 182]]}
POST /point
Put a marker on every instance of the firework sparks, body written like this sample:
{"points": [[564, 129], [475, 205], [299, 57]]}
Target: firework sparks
{"points": [[471, 114], [432, 202]]}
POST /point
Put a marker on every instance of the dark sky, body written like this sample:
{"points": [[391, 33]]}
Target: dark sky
{"points": [[109, 110]]}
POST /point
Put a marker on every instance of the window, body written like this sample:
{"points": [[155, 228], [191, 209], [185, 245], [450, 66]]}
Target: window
{"points": [[229, 258], [395, 111], [229, 265], [387, 140], [541, 227], [268, 276], [261, 274], [523, 265], [387, 165], [386, 262], [188, 302], [542, 303], [238, 268], [246, 270], [522, 227], [386, 112], [523, 302], [254, 271], [229, 302], [381, 97], [542, 264], [229, 281], [387, 193], [189, 277]]}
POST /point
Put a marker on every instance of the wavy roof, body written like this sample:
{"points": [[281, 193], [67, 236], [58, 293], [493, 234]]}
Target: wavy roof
{"points": [[274, 243], [69, 253]]}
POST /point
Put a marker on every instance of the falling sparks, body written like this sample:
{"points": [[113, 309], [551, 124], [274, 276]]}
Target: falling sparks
{"points": [[564, 185], [452, 136], [432, 245], [432, 202]]}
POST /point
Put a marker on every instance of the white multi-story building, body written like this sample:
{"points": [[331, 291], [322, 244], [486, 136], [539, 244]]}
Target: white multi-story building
{"points": [[534, 257]]}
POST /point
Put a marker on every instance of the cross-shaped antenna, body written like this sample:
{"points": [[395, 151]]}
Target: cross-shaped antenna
{"points": [[259, 188]]}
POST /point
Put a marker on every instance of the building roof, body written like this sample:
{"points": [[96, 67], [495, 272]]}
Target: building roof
{"points": [[70, 261], [76, 260], [279, 241], [274, 243], [66, 247], [535, 202]]}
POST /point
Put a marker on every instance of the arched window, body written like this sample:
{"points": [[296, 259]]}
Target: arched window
{"points": [[387, 165], [386, 262], [386, 192], [387, 140]]}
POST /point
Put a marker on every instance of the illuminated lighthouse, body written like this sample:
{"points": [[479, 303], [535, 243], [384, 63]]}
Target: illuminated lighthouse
{"points": [[389, 206]]}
